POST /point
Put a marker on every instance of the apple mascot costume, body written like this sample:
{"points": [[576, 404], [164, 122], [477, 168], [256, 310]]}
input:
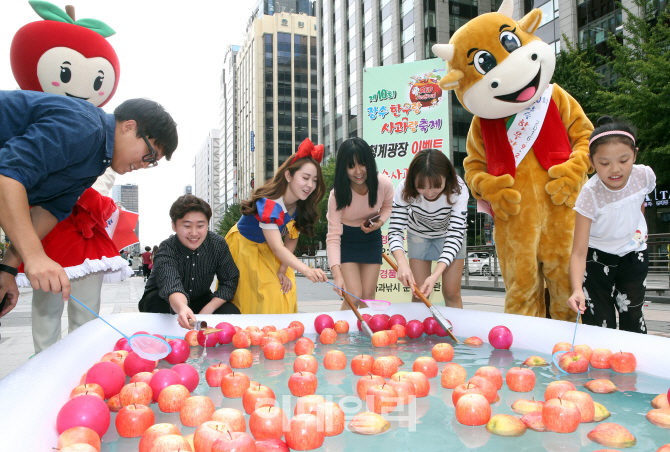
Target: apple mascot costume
{"points": [[527, 152], [59, 55]]}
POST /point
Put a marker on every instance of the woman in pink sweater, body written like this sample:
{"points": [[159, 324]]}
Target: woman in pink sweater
{"points": [[358, 206]]}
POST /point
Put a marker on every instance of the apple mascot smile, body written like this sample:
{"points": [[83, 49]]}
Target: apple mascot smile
{"points": [[62, 56], [527, 152]]}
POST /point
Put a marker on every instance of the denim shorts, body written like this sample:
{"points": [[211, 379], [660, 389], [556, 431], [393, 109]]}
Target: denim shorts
{"points": [[429, 249]]}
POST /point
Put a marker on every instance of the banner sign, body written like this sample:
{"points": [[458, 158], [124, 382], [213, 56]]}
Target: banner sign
{"points": [[405, 111]]}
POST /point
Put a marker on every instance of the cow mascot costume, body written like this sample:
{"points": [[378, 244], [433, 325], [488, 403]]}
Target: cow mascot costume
{"points": [[59, 55], [527, 152]]}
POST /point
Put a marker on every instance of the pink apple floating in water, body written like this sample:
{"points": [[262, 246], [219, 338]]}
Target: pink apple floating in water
{"points": [[161, 380], [414, 329], [322, 322], [397, 319], [189, 376], [208, 340], [366, 317], [225, 336], [122, 344], [378, 323], [500, 337], [84, 411], [108, 375], [179, 353], [429, 324]]}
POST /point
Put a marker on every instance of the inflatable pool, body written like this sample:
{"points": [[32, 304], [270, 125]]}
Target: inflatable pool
{"points": [[32, 395]]}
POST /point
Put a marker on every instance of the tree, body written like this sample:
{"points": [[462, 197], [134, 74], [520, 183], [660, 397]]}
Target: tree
{"points": [[575, 72], [321, 228], [642, 89], [229, 219]]}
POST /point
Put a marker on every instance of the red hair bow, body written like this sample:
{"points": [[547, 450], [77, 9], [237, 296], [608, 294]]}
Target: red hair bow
{"points": [[307, 149]]}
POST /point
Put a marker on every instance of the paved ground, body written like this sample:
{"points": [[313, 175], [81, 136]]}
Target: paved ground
{"points": [[16, 344]]}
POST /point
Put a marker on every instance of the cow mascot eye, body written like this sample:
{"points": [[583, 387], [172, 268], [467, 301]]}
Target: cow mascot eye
{"points": [[484, 61], [509, 41]]}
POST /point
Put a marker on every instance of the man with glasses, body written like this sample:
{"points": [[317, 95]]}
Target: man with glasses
{"points": [[52, 148]]}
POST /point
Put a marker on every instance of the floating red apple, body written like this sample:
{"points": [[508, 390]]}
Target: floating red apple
{"points": [[84, 411]]}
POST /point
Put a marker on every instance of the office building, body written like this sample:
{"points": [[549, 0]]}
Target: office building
{"points": [[277, 94], [207, 174], [228, 130]]}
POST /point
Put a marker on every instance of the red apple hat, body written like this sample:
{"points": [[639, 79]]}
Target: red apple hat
{"points": [[86, 36]]}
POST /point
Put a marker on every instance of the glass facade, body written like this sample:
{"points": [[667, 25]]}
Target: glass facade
{"points": [[269, 107], [284, 101]]}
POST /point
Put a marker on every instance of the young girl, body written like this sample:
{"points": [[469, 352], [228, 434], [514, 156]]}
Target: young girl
{"points": [[609, 261], [432, 203], [359, 204], [287, 204]]}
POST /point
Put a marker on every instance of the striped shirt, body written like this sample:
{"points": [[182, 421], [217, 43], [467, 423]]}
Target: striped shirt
{"points": [[431, 220], [179, 269]]}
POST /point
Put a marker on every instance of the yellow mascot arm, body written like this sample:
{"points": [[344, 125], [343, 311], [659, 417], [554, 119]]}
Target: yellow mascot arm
{"points": [[572, 174], [496, 190]]}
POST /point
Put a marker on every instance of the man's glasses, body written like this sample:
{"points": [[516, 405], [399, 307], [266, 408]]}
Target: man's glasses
{"points": [[152, 157]]}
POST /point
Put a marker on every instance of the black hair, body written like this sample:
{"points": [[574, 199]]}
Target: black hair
{"points": [[153, 120], [352, 151], [189, 203], [147, 248], [607, 124]]}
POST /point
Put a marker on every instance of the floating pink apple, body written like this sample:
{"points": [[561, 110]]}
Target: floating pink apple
{"points": [[225, 336], [500, 337], [189, 376], [367, 318], [378, 323], [122, 344], [397, 319], [322, 322], [414, 329], [108, 375], [179, 353], [429, 325], [84, 411], [161, 380], [207, 340]]}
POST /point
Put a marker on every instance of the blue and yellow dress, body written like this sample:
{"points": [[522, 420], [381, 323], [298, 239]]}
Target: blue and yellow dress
{"points": [[258, 290]]}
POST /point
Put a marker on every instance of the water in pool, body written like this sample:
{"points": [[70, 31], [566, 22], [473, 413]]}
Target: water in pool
{"points": [[429, 424]]}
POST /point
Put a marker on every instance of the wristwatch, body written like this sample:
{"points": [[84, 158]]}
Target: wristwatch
{"points": [[7, 269]]}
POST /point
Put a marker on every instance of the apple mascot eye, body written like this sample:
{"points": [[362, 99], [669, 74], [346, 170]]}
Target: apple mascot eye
{"points": [[61, 55], [65, 74], [97, 84]]}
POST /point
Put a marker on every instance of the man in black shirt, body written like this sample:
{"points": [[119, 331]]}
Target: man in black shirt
{"points": [[185, 265]]}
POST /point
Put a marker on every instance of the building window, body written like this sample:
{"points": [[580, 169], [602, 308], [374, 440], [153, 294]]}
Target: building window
{"points": [[386, 25], [387, 50], [408, 34], [406, 6], [407, 20]]}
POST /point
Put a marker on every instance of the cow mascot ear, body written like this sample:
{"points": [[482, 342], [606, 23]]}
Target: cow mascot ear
{"points": [[61, 55]]}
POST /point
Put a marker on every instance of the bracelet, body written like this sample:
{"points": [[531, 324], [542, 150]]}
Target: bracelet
{"points": [[7, 269]]}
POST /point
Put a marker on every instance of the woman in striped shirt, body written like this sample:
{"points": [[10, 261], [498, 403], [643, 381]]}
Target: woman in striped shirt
{"points": [[432, 204]]}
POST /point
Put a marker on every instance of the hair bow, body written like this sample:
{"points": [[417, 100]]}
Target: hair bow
{"points": [[307, 149]]}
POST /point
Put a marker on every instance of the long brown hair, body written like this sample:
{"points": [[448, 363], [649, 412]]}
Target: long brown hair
{"points": [[428, 167], [307, 210]]}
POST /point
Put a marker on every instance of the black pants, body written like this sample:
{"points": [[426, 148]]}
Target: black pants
{"points": [[616, 283], [152, 302], [146, 271]]}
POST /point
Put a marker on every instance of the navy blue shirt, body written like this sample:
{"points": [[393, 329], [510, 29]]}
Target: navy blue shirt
{"points": [[55, 146]]}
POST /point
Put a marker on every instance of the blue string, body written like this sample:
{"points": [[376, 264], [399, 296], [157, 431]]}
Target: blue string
{"points": [[99, 317], [345, 291], [575, 335]]}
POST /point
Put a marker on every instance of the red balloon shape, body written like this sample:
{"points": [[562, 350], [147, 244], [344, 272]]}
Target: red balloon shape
{"points": [[366, 317], [414, 329], [108, 375], [180, 351], [189, 376]]}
